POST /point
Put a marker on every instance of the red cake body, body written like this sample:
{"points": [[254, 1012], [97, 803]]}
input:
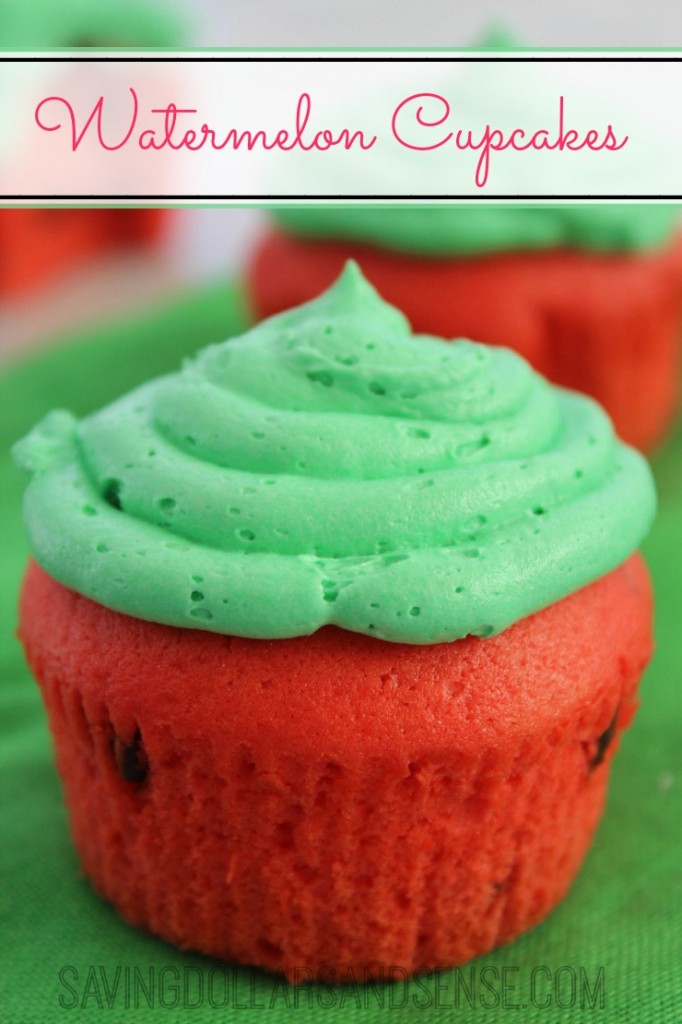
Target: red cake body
{"points": [[336, 801], [605, 324]]}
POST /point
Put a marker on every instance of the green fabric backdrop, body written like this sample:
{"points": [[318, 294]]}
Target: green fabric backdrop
{"points": [[615, 942]]}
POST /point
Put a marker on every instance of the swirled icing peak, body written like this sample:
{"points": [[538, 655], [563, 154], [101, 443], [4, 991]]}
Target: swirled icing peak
{"points": [[331, 467]]}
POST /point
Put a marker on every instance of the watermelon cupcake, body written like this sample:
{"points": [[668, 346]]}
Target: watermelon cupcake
{"points": [[38, 244], [337, 630], [590, 295]]}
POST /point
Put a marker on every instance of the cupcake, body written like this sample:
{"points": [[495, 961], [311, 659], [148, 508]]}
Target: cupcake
{"points": [[337, 630], [38, 245], [590, 295]]}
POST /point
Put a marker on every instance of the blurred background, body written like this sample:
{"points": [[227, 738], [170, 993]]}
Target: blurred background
{"points": [[49, 286], [430, 23], [61, 269]]}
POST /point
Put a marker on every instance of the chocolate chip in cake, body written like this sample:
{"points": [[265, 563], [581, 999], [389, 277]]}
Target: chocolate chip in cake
{"points": [[604, 741], [131, 758]]}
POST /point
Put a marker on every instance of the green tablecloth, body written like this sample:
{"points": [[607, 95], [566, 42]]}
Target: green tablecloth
{"points": [[615, 943]]}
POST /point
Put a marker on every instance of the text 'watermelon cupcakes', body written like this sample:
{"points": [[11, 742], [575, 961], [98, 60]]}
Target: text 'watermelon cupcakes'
{"points": [[590, 295], [337, 629]]}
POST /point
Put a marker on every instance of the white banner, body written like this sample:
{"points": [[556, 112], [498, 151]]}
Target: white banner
{"points": [[215, 127]]}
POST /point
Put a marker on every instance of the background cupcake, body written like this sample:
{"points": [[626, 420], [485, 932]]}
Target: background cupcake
{"points": [[590, 295], [284, 790], [37, 245]]}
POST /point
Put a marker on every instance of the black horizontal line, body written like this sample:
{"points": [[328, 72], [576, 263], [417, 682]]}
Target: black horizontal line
{"points": [[266, 198], [336, 60]]}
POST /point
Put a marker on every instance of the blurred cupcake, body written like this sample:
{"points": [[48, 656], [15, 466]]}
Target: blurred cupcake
{"points": [[590, 295], [37, 245], [337, 629], [71, 24]]}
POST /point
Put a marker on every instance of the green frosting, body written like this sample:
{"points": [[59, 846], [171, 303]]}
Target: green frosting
{"points": [[458, 230], [331, 467], [39, 24]]}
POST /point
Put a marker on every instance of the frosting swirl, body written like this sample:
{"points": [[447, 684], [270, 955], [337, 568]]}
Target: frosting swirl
{"points": [[330, 467]]}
